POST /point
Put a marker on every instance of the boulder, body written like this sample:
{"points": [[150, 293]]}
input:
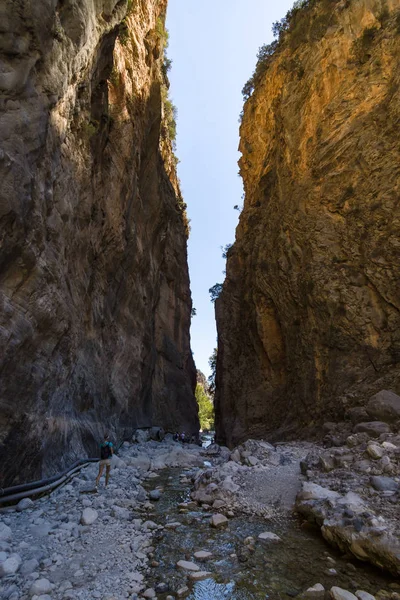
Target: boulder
{"points": [[10, 565], [338, 593], [358, 414], [313, 491], [157, 434], [24, 504], [373, 428], [384, 406], [40, 586], [89, 515], [141, 436]]}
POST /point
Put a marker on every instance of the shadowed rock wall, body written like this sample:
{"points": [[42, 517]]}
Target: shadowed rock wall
{"points": [[308, 320], [94, 289]]}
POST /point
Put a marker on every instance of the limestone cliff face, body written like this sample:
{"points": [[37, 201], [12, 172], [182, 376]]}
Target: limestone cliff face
{"points": [[308, 319], [94, 287]]}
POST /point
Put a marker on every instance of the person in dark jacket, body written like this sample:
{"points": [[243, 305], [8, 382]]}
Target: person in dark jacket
{"points": [[106, 452]]}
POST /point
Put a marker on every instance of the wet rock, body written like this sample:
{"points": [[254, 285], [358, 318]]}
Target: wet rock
{"points": [[89, 516], [218, 521], [183, 591], [187, 565], [384, 406], [373, 428]]}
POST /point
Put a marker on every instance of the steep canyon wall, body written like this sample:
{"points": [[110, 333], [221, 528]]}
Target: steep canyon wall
{"points": [[94, 290], [309, 316]]}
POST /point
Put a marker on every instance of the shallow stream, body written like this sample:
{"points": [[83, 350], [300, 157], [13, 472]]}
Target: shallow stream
{"points": [[272, 571]]}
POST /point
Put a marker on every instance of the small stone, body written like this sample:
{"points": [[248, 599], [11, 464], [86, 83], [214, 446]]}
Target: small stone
{"points": [[269, 537], [202, 555], [183, 591], [149, 593], [338, 593], [218, 520], [331, 572], [89, 516], [40, 586], [188, 566], [217, 504], [10, 565], [24, 504], [173, 525], [161, 588]]}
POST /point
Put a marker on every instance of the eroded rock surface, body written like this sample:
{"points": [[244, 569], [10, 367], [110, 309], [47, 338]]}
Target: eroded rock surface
{"points": [[309, 315], [94, 288]]}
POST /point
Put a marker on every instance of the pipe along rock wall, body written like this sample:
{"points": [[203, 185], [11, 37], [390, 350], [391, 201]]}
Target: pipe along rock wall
{"points": [[95, 302], [309, 316]]}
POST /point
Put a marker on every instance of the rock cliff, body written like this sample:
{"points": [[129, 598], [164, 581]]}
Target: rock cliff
{"points": [[308, 319], [94, 287]]}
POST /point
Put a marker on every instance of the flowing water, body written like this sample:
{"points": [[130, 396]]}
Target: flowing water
{"points": [[265, 571]]}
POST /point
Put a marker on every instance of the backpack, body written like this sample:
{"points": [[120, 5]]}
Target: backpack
{"points": [[105, 451]]}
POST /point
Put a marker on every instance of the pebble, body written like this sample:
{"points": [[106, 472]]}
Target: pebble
{"points": [[202, 555], [200, 575], [5, 533], [361, 595]]}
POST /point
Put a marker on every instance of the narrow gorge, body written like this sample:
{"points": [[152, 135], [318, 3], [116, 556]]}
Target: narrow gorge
{"points": [[309, 316], [109, 490], [94, 286]]}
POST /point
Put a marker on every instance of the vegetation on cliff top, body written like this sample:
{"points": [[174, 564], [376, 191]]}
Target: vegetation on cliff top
{"points": [[300, 27], [206, 408]]}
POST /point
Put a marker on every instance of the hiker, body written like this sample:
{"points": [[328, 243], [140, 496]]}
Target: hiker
{"points": [[106, 452], [176, 437]]}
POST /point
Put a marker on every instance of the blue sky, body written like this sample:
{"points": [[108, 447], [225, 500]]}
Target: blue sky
{"points": [[213, 46]]}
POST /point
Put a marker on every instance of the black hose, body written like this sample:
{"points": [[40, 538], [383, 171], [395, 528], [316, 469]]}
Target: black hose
{"points": [[41, 482], [43, 485]]}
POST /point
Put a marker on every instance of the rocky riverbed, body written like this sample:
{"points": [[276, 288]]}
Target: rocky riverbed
{"points": [[183, 521]]}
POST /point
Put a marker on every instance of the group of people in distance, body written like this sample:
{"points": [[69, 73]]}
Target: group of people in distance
{"points": [[185, 439]]}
